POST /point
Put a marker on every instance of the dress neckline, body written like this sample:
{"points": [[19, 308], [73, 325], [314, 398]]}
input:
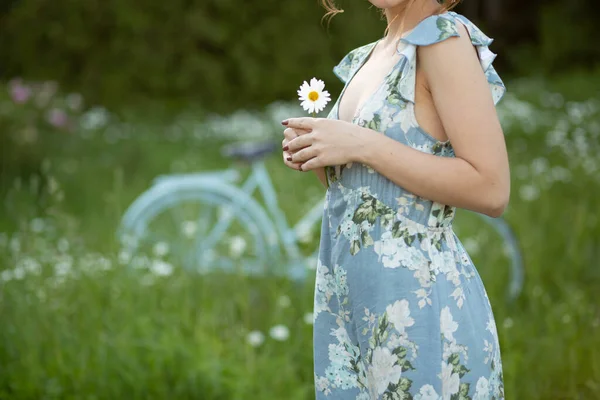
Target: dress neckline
{"points": [[361, 64]]}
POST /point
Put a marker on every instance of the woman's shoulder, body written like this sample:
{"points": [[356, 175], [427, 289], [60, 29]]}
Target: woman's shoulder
{"points": [[439, 27]]}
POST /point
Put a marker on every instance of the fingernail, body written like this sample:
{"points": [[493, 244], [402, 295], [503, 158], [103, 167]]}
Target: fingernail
{"points": [[285, 122], [286, 148], [289, 158]]}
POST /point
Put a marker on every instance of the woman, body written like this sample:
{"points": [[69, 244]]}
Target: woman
{"points": [[400, 310]]}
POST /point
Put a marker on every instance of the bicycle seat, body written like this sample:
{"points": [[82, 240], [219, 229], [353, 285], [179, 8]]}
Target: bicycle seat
{"points": [[249, 152]]}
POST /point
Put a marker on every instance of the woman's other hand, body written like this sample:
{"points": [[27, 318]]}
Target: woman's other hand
{"points": [[290, 134], [323, 142]]}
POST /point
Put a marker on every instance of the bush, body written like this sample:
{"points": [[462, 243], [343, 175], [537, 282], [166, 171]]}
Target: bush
{"points": [[568, 35], [224, 54], [228, 55], [35, 118]]}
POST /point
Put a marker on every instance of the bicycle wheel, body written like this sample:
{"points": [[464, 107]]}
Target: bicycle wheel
{"points": [[494, 246], [202, 226]]}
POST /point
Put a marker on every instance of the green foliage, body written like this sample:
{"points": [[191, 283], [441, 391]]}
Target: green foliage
{"points": [[223, 53], [32, 115], [227, 55], [568, 35]]}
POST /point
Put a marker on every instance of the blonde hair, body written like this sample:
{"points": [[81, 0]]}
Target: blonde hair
{"points": [[332, 10]]}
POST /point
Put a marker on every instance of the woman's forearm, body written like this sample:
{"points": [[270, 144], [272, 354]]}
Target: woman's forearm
{"points": [[320, 172], [452, 181]]}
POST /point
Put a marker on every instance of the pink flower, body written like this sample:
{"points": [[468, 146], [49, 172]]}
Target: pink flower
{"points": [[57, 118], [19, 92]]}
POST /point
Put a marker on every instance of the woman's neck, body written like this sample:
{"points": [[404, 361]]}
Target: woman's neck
{"points": [[406, 16]]}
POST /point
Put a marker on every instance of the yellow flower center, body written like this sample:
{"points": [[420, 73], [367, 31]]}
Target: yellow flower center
{"points": [[313, 96]]}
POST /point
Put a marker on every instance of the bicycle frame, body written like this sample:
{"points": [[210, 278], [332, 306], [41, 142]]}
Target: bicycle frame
{"points": [[260, 179]]}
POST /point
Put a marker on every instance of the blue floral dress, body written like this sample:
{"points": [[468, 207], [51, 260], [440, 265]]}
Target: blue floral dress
{"points": [[400, 310]]}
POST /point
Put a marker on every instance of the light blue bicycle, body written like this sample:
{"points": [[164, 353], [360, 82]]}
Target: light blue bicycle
{"points": [[205, 222]]}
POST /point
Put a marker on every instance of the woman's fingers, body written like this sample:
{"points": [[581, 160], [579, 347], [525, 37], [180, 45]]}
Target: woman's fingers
{"points": [[291, 133], [304, 155], [300, 142], [311, 164], [300, 123], [286, 160]]}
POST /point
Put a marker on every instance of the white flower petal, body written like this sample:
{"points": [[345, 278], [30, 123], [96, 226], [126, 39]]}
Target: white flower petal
{"points": [[323, 97]]}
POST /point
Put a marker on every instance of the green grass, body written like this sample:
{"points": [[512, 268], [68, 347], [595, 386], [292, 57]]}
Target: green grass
{"points": [[82, 325]]}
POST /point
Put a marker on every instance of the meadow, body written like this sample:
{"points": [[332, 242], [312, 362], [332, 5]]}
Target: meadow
{"points": [[83, 319]]}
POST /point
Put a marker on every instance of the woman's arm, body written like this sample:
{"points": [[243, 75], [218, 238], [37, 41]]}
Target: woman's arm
{"points": [[477, 179]]}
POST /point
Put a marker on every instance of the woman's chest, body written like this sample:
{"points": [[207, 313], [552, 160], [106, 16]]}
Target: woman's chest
{"points": [[369, 81]]}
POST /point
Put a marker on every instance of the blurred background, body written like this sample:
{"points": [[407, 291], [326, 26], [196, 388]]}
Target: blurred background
{"points": [[98, 98]]}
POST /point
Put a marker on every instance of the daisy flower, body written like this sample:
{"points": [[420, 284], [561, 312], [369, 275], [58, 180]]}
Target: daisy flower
{"points": [[313, 97]]}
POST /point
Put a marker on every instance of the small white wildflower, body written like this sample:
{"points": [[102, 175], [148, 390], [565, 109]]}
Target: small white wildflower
{"points": [[279, 332], [237, 245], [508, 323], [104, 264], [304, 234], [129, 241], [225, 212], [38, 225], [124, 257], [255, 338], [284, 301], [6, 275], [161, 268], [189, 228], [539, 166], [19, 273], [31, 265], [311, 263], [471, 245], [15, 245], [63, 267], [160, 249], [63, 245], [95, 118], [313, 96], [53, 185], [529, 192], [309, 318]]}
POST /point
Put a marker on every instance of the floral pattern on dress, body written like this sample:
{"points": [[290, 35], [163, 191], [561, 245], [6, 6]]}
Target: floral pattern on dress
{"points": [[376, 370]]}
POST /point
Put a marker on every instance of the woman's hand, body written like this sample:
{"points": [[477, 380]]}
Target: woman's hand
{"points": [[288, 135], [322, 142]]}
